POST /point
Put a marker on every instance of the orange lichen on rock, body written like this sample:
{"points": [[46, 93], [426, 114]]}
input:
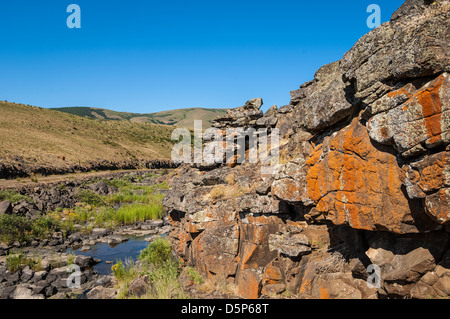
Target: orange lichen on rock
{"points": [[355, 184], [324, 293], [431, 104], [272, 275], [435, 172], [399, 92], [249, 284]]}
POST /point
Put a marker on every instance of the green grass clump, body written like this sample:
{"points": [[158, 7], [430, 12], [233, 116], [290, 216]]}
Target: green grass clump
{"points": [[129, 196], [165, 282], [18, 260], [159, 265], [157, 253], [194, 276], [119, 183], [89, 197], [15, 261], [17, 228], [133, 213], [13, 197], [124, 271]]}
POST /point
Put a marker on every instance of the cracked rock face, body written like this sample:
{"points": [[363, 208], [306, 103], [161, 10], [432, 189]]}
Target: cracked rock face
{"points": [[421, 122], [364, 177]]}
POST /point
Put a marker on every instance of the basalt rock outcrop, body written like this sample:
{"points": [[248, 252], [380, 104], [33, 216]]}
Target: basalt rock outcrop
{"points": [[18, 167], [363, 181]]}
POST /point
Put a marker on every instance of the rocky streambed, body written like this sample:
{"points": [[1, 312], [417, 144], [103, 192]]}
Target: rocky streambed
{"points": [[43, 268]]}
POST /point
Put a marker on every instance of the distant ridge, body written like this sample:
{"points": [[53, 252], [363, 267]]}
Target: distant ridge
{"points": [[179, 117]]}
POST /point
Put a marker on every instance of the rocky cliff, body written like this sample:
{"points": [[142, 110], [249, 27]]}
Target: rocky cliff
{"points": [[364, 178]]}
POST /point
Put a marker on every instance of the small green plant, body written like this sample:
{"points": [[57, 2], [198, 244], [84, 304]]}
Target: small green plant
{"points": [[70, 259], [158, 252], [124, 271], [18, 260], [13, 196], [89, 197], [15, 261], [194, 276]]}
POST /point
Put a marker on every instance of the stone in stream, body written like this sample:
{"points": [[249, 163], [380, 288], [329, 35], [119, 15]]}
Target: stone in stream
{"points": [[84, 249], [99, 232], [84, 261], [114, 240], [152, 224], [106, 281]]}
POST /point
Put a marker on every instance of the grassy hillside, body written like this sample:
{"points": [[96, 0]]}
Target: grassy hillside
{"points": [[35, 135], [179, 118]]}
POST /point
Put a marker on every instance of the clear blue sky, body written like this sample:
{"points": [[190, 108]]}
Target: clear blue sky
{"points": [[147, 56]]}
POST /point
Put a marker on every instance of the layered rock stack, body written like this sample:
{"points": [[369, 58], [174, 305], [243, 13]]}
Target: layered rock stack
{"points": [[364, 180]]}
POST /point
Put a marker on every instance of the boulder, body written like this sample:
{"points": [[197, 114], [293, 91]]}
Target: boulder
{"points": [[101, 292], [324, 101], [422, 120], [291, 242], [140, 285], [25, 293], [5, 207], [99, 232]]}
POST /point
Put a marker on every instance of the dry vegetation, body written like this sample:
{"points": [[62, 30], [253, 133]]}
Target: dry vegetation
{"points": [[36, 135]]}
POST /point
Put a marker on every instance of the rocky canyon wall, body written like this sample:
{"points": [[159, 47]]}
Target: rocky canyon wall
{"points": [[364, 178]]}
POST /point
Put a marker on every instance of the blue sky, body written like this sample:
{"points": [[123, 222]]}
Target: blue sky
{"points": [[149, 56]]}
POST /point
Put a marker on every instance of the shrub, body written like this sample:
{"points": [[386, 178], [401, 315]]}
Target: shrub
{"points": [[157, 253], [119, 183], [194, 276], [45, 226], [18, 228], [89, 197], [14, 228], [13, 196], [124, 271], [165, 281]]}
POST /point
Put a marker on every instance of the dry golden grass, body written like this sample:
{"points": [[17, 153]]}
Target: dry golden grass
{"points": [[219, 192], [45, 136], [209, 287], [230, 179], [229, 191]]}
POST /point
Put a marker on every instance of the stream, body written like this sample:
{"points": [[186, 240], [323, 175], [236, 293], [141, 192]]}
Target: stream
{"points": [[106, 253]]}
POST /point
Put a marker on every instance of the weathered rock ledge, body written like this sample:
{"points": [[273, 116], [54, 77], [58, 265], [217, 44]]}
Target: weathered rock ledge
{"points": [[364, 178]]}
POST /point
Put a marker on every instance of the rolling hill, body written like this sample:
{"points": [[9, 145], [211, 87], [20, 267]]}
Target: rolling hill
{"points": [[34, 139], [179, 118]]}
